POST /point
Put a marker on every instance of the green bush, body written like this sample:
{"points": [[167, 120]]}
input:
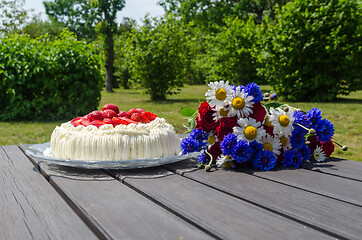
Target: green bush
{"points": [[229, 55], [155, 52], [47, 80], [312, 51]]}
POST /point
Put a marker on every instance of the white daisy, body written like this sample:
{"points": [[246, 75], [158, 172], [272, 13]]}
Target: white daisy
{"points": [[285, 142], [282, 121], [271, 143], [212, 139], [221, 112], [225, 161], [249, 130], [241, 103], [266, 120], [319, 155], [219, 92]]}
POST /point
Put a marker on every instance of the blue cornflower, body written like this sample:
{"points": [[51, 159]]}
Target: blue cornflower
{"points": [[314, 116], [301, 118], [297, 140], [228, 143], [189, 145], [292, 158], [203, 158], [257, 150], [200, 136], [305, 153], [325, 130], [266, 162], [252, 89], [241, 152]]}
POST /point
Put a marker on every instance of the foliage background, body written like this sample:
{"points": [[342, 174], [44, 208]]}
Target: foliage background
{"points": [[47, 80]]}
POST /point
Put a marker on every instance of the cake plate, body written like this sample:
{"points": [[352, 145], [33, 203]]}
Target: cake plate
{"points": [[42, 152]]}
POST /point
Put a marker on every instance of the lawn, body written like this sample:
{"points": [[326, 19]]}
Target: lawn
{"points": [[344, 113]]}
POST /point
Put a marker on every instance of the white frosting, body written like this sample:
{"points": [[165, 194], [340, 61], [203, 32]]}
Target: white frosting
{"points": [[122, 142]]}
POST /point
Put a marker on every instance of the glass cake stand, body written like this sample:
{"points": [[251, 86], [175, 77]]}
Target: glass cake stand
{"points": [[42, 152]]}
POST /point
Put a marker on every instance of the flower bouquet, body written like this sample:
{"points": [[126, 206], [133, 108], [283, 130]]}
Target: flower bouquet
{"points": [[233, 128]]}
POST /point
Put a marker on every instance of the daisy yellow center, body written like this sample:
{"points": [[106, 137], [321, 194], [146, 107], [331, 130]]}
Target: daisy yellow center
{"points": [[228, 157], [283, 141], [223, 112], [211, 139], [238, 103], [316, 155], [250, 132], [268, 146], [267, 122], [220, 94], [284, 120]]}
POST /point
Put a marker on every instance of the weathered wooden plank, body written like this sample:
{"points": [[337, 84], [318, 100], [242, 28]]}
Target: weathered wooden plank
{"points": [[30, 207], [226, 217], [337, 218], [343, 189], [338, 167], [114, 209]]}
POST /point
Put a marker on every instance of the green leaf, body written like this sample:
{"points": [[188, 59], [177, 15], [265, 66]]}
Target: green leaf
{"points": [[187, 112], [273, 105]]}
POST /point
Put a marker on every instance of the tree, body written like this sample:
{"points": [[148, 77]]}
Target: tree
{"points": [[230, 53], [82, 16], [312, 51], [38, 27], [156, 56], [77, 15], [122, 64], [108, 9], [12, 16]]}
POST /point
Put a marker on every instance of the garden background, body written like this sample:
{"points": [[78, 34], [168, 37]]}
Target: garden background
{"points": [[307, 52]]}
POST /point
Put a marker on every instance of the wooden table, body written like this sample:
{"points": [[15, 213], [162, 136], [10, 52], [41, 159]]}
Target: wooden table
{"points": [[178, 201]]}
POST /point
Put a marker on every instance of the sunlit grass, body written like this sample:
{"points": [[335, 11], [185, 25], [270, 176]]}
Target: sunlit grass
{"points": [[344, 113]]}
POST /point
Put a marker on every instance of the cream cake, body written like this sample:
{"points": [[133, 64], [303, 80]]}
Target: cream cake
{"points": [[97, 140]]}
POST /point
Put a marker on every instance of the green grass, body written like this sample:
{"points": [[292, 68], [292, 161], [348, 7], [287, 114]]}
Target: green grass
{"points": [[344, 113]]}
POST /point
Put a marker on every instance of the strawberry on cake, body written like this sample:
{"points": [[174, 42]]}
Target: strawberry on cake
{"points": [[111, 134]]}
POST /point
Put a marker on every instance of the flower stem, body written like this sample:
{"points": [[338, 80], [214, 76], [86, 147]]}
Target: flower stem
{"points": [[344, 147], [208, 166], [300, 125]]}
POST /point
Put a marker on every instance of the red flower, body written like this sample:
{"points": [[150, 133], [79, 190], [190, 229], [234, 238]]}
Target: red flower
{"points": [[204, 118], [328, 147], [313, 143], [225, 126], [269, 130], [215, 151], [259, 112]]}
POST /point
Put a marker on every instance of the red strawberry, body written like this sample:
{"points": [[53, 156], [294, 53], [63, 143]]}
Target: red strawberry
{"points": [[109, 113], [79, 121], [122, 120], [97, 123], [140, 110], [107, 121], [111, 106], [149, 115], [76, 121], [139, 118], [137, 110], [124, 114], [95, 115]]}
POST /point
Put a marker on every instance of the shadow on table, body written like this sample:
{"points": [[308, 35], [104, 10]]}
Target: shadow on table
{"points": [[53, 170]]}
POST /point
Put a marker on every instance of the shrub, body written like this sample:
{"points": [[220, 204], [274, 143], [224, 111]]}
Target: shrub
{"points": [[229, 55], [312, 52], [155, 52], [47, 80]]}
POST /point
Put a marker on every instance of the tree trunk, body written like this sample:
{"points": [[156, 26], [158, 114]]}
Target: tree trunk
{"points": [[110, 60]]}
